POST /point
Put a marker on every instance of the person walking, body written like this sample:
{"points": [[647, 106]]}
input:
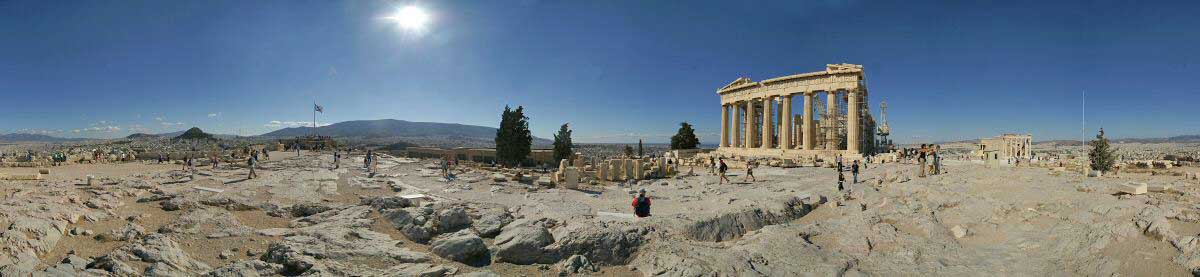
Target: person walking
{"points": [[641, 204], [854, 171], [251, 162], [712, 165], [721, 169], [215, 160], [266, 154], [191, 170], [750, 172]]}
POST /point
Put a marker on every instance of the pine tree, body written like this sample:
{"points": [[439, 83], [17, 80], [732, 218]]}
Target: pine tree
{"points": [[513, 140], [628, 151], [562, 143], [1102, 155], [685, 138], [640, 153]]}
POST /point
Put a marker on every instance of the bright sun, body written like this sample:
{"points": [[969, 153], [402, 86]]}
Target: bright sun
{"points": [[410, 17]]}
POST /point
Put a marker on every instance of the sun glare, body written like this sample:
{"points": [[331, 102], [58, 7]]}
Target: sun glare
{"points": [[410, 18]]}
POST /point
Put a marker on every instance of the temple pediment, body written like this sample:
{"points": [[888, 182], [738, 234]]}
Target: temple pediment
{"points": [[737, 83]]}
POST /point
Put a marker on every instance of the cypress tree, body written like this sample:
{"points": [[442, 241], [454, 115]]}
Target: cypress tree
{"points": [[562, 143], [1102, 154]]}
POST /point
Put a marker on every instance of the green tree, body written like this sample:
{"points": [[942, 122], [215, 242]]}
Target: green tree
{"points": [[685, 138], [628, 151], [1102, 155], [562, 143], [513, 140], [640, 152]]}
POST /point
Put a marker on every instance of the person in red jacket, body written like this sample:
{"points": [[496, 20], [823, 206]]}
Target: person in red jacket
{"points": [[641, 204]]}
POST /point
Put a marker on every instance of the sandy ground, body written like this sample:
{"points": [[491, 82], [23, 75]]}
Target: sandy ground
{"points": [[976, 219]]}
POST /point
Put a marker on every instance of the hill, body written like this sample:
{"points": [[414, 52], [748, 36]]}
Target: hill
{"points": [[33, 138], [392, 128], [195, 133], [141, 135]]}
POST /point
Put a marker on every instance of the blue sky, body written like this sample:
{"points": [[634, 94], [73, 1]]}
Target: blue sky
{"points": [[616, 70]]}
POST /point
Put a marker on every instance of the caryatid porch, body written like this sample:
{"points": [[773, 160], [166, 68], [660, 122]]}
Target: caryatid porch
{"points": [[765, 125]]}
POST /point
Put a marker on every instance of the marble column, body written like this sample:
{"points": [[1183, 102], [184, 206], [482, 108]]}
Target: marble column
{"points": [[785, 135], [831, 104], [724, 125], [852, 128], [750, 122], [767, 127], [807, 131], [737, 125]]}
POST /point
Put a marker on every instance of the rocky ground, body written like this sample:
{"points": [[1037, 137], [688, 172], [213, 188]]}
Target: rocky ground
{"points": [[303, 218]]}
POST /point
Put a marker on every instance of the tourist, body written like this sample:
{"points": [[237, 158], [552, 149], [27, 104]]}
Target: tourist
{"points": [[297, 146], [641, 204], [190, 169], [750, 172], [266, 154], [937, 160], [160, 158], [337, 159], [721, 169], [854, 171], [839, 162], [215, 160], [841, 181], [921, 160], [445, 167], [250, 162], [367, 160]]}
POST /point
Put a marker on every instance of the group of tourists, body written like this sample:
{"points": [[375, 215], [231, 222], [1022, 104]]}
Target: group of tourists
{"points": [[929, 159]]}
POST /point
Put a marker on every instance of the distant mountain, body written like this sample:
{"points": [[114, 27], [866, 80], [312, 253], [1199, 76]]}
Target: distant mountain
{"points": [[180, 132], [1174, 139], [392, 128], [195, 133], [141, 135], [33, 138]]}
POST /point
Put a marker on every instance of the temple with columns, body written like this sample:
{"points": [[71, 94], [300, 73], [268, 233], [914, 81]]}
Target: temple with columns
{"points": [[758, 118]]}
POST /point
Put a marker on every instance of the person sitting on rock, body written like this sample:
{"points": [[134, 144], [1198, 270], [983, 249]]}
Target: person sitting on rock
{"points": [[641, 204]]}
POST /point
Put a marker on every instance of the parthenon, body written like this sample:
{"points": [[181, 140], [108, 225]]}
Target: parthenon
{"points": [[757, 118]]}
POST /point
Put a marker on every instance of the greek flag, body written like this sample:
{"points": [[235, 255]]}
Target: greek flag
{"points": [[317, 108]]}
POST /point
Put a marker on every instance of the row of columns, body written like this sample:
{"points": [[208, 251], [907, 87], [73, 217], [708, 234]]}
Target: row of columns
{"points": [[808, 128]]}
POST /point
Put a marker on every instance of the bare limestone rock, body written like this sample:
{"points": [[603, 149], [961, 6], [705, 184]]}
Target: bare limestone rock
{"points": [[576, 264], [246, 268], [489, 224], [521, 242], [461, 246], [423, 223]]}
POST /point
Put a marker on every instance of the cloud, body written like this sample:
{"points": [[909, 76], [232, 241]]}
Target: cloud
{"points": [[170, 123], [158, 119], [277, 123], [138, 128], [212, 115], [37, 131]]}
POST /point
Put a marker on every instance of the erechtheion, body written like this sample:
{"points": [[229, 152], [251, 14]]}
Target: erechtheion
{"points": [[757, 118], [1004, 146]]}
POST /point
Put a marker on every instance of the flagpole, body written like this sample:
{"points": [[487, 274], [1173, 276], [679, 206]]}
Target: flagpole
{"points": [[314, 130]]}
